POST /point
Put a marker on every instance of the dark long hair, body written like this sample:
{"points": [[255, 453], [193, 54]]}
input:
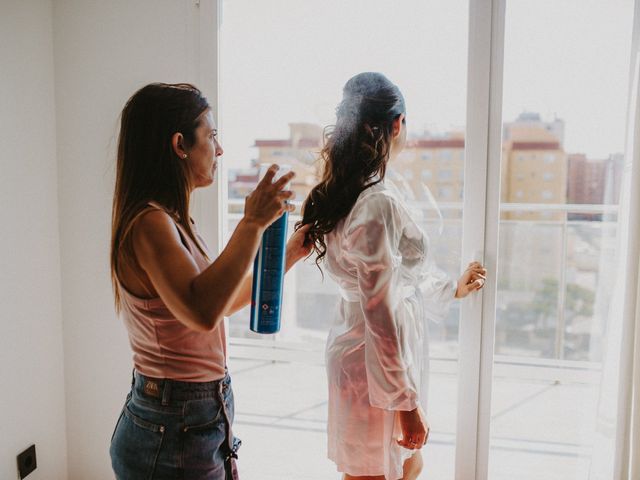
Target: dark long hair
{"points": [[355, 153], [148, 169]]}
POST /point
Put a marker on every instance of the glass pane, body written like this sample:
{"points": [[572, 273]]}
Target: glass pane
{"points": [[565, 84], [280, 82]]}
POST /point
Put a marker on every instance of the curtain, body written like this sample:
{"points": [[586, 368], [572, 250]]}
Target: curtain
{"points": [[616, 452]]}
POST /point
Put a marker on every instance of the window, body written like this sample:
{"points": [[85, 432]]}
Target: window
{"points": [[551, 271], [445, 175], [406, 155], [445, 193], [546, 365], [304, 84]]}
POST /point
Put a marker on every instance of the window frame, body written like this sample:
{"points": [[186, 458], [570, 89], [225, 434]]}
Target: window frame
{"points": [[482, 162]]}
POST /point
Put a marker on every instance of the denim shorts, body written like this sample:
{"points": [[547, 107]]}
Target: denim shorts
{"points": [[174, 430]]}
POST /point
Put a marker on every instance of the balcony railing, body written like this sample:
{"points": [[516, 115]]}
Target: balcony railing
{"points": [[550, 307]]}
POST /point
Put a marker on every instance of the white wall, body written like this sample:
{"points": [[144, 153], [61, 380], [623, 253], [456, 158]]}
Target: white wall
{"points": [[32, 401], [103, 52]]}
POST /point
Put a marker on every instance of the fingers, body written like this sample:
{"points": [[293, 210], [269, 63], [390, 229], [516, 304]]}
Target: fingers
{"points": [[285, 194], [470, 276], [475, 285], [281, 200], [475, 276], [476, 267], [470, 282], [304, 228], [412, 443], [281, 195], [268, 176], [303, 233], [282, 181], [269, 201], [409, 445]]}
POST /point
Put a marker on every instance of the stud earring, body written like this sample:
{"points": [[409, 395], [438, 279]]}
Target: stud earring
{"points": [[184, 155]]}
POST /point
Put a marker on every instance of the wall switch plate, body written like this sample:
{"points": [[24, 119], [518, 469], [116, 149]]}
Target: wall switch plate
{"points": [[27, 461]]}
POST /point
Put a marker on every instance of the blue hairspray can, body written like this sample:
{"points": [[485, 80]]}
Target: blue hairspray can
{"points": [[268, 274]]}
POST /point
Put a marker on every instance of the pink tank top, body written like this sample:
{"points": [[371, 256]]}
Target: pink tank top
{"points": [[163, 347]]}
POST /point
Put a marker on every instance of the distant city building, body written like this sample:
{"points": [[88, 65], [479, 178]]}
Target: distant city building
{"points": [[528, 126], [535, 168], [593, 182], [434, 165], [300, 151]]}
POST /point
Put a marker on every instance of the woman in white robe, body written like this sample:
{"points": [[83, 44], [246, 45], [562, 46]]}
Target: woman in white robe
{"points": [[376, 351]]}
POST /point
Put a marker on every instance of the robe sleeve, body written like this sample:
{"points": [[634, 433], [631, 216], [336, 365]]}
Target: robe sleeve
{"points": [[438, 291], [372, 238]]}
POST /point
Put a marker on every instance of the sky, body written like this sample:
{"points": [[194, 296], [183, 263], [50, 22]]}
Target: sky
{"points": [[285, 61]]}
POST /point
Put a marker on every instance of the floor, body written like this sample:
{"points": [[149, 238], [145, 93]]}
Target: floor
{"points": [[540, 430]]}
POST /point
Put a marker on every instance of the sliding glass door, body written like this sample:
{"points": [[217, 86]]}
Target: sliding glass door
{"points": [[282, 67], [515, 117], [566, 70]]}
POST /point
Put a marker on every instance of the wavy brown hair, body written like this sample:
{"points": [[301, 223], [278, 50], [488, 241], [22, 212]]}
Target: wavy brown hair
{"points": [[147, 168], [355, 153]]}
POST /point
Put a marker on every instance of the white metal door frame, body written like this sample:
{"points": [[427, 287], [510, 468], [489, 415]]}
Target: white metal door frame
{"points": [[623, 467], [481, 216], [208, 202]]}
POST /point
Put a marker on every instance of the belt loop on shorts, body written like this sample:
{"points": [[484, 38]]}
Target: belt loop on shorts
{"points": [[166, 393], [133, 377]]}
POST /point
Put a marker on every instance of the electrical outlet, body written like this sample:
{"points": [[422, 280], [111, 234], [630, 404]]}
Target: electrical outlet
{"points": [[27, 461]]}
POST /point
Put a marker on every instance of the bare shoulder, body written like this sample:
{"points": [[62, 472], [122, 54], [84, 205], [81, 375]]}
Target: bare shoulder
{"points": [[154, 231]]}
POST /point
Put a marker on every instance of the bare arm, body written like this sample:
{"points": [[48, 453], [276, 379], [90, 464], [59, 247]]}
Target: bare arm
{"points": [[199, 299]]}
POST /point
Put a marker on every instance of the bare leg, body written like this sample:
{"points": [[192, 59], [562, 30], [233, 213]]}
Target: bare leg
{"points": [[412, 467], [410, 470]]}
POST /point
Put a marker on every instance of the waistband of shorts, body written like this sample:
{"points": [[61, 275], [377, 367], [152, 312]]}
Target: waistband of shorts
{"points": [[167, 390]]}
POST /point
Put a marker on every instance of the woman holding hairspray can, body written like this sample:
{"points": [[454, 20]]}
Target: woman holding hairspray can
{"points": [[171, 293]]}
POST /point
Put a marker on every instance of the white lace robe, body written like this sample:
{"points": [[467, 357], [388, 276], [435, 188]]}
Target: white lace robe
{"points": [[377, 352]]}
